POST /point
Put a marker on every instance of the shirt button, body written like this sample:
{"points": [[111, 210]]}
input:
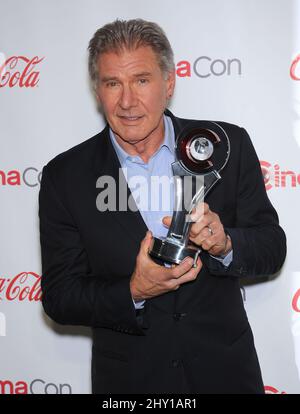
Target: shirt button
{"points": [[178, 316], [175, 363]]}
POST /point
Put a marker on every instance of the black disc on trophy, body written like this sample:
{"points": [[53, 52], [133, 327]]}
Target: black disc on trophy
{"points": [[203, 146]]}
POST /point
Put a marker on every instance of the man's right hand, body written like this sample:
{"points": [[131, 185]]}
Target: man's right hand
{"points": [[150, 279]]}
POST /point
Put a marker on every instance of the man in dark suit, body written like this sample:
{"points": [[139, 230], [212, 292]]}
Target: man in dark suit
{"points": [[156, 329]]}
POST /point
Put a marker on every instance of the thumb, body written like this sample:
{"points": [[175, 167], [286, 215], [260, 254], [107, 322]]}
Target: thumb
{"points": [[167, 221], [146, 242]]}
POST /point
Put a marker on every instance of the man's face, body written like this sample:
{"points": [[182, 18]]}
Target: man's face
{"points": [[134, 92]]}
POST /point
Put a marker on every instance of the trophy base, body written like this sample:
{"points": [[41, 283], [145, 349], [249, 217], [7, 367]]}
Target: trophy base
{"points": [[172, 253]]}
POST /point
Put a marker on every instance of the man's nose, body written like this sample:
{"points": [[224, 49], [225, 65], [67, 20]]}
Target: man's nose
{"points": [[128, 98]]}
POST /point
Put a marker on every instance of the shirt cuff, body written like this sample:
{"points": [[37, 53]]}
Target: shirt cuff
{"points": [[225, 260], [138, 305]]}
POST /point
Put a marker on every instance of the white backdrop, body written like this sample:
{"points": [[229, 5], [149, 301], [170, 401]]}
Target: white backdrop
{"points": [[237, 61]]}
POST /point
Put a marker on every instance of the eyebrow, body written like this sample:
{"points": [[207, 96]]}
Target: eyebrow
{"points": [[108, 79], [115, 78], [139, 75]]}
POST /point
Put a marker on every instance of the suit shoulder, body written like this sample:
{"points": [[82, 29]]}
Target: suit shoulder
{"points": [[231, 129], [234, 132], [76, 156], [227, 126]]}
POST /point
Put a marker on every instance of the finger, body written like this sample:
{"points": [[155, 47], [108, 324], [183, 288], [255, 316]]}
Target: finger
{"points": [[146, 242], [167, 221], [182, 268], [190, 275], [215, 242], [210, 222], [199, 211], [198, 228]]}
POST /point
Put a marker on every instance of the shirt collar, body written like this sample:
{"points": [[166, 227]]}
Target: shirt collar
{"points": [[168, 142]]}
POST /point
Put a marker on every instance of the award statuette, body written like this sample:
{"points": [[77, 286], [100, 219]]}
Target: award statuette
{"points": [[202, 151]]}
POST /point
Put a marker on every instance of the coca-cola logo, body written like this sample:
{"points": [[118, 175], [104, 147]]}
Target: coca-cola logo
{"points": [[295, 69], [205, 67], [273, 390], [37, 386], [275, 177], [25, 286], [20, 71]]}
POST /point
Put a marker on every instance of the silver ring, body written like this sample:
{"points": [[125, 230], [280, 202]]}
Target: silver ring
{"points": [[210, 230]]}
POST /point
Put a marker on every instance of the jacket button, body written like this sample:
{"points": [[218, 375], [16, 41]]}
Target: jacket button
{"points": [[175, 363], [178, 316]]}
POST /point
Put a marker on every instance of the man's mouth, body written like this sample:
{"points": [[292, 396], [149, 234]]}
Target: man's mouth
{"points": [[130, 118]]}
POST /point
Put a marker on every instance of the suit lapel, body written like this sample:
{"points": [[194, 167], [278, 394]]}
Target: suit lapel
{"points": [[107, 163]]}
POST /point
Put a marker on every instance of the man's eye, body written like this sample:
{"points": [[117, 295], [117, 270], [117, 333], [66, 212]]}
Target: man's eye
{"points": [[142, 81], [112, 84]]}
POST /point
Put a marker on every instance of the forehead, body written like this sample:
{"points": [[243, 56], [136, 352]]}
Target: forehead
{"points": [[142, 58]]}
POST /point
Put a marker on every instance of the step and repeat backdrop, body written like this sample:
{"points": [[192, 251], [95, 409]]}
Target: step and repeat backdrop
{"points": [[236, 61]]}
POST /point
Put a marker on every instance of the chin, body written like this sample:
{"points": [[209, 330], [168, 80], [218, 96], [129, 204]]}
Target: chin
{"points": [[131, 138]]}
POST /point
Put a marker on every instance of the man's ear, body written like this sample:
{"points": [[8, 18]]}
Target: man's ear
{"points": [[98, 100], [97, 97], [171, 80]]}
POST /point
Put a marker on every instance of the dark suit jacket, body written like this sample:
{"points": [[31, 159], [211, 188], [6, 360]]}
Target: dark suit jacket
{"points": [[196, 339]]}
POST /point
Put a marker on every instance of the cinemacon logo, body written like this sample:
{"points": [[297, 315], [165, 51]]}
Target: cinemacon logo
{"points": [[31, 177], [205, 66], [275, 177], [19, 71], [37, 386]]}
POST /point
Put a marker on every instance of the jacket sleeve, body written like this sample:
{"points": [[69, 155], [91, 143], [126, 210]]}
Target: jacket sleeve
{"points": [[259, 243], [70, 293]]}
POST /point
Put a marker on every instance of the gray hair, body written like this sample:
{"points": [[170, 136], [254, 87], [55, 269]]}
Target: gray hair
{"points": [[129, 35]]}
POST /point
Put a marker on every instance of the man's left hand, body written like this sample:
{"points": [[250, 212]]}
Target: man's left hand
{"points": [[207, 231]]}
